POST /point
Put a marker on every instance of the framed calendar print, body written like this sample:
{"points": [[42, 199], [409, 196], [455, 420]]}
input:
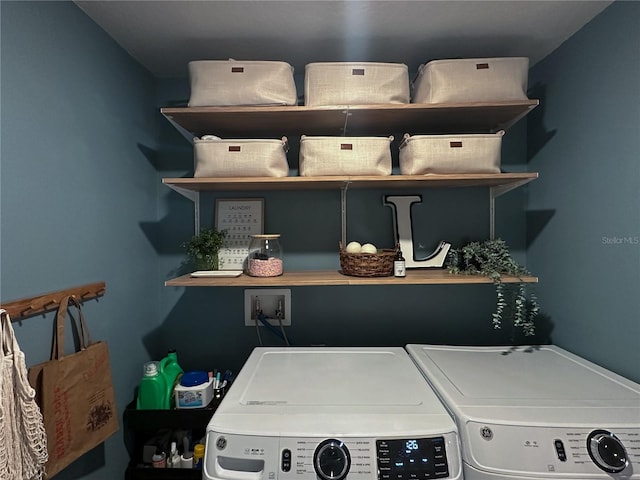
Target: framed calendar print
{"points": [[241, 218]]}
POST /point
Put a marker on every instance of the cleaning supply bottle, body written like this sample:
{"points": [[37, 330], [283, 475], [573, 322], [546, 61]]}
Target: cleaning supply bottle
{"points": [[171, 370], [173, 460], [152, 392], [198, 456]]}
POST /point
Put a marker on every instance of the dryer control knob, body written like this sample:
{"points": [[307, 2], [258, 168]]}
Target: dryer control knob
{"points": [[607, 452], [331, 460]]}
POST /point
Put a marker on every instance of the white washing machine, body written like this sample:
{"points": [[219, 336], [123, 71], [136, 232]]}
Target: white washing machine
{"points": [[331, 414], [539, 413]]}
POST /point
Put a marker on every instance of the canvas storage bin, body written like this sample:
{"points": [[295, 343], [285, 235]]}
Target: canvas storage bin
{"points": [[468, 153], [345, 156], [231, 82], [215, 157], [472, 80], [345, 83]]}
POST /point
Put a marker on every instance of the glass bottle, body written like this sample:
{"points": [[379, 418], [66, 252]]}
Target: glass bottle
{"points": [[399, 268], [265, 256]]}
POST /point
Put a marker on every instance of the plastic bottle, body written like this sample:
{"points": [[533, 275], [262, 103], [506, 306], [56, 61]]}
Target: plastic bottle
{"points": [[152, 392], [159, 460], [198, 456], [171, 370], [399, 267], [173, 460]]}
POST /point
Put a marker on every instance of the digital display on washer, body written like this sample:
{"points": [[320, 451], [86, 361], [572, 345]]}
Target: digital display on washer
{"points": [[412, 458]]}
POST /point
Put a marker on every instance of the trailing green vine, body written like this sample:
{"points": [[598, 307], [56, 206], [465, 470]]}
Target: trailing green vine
{"points": [[492, 259]]}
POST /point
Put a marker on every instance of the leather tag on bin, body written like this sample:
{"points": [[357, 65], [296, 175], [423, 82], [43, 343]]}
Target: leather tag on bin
{"points": [[237, 69], [482, 66], [234, 148], [357, 71], [346, 146], [455, 144]]}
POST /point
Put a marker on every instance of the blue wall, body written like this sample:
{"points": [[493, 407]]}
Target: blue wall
{"points": [[84, 148], [83, 151], [77, 185], [584, 211]]}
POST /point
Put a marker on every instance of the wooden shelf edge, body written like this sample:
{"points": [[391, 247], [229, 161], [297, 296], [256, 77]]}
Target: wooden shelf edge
{"points": [[169, 111], [330, 277], [276, 120], [504, 181]]}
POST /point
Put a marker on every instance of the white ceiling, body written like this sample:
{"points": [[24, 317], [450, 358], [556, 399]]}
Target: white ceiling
{"points": [[164, 35]]}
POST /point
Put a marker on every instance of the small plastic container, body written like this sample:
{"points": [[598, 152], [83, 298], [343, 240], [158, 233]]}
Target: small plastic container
{"points": [[265, 256], [159, 460], [195, 390]]}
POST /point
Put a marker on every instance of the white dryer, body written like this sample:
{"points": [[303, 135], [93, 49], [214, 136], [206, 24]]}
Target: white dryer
{"points": [[330, 414], [536, 413]]}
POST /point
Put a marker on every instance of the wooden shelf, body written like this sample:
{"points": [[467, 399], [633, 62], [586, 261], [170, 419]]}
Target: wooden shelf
{"points": [[383, 119], [505, 181], [325, 278]]}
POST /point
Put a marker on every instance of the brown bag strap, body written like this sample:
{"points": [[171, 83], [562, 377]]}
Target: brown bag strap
{"points": [[57, 349]]}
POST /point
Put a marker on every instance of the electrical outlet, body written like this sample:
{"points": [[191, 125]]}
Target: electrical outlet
{"points": [[271, 301]]}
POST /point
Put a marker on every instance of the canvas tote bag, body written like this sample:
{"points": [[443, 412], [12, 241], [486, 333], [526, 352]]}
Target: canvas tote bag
{"points": [[23, 441], [76, 393]]}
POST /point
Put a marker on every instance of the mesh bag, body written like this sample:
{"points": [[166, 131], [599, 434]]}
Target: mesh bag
{"points": [[23, 440]]}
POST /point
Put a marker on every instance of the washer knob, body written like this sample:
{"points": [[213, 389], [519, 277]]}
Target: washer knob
{"points": [[331, 460], [607, 452]]}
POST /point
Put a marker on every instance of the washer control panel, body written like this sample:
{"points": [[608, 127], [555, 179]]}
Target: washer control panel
{"points": [[412, 459], [246, 457]]}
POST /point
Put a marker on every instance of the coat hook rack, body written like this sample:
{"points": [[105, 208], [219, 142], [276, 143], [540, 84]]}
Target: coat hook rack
{"points": [[41, 304]]}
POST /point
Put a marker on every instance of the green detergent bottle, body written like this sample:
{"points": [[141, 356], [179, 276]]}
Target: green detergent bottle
{"points": [[172, 372], [152, 392]]}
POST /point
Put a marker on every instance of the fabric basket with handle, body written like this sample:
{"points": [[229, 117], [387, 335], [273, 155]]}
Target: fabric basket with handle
{"points": [[472, 80], [468, 153], [75, 392], [345, 156], [23, 440], [231, 82], [344, 83], [215, 157]]}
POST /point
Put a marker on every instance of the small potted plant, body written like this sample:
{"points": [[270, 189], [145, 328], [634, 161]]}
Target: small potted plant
{"points": [[492, 259], [204, 247]]}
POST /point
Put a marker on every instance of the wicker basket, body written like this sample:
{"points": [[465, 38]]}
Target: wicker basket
{"points": [[368, 264]]}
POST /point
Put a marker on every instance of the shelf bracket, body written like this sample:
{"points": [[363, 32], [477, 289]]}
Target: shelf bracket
{"points": [[185, 192], [347, 114], [183, 131], [495, 192], [343, 212], [194, 196], [196, 213], [512, 121], [492, 214]]}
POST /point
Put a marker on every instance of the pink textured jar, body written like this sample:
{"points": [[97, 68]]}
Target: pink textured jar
{"points": [[265, 256]]}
